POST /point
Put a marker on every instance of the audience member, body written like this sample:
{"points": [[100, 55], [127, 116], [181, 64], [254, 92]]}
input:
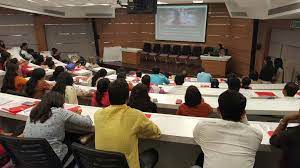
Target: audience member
{"points": [[55, 54], [214, 83], [231, 75], [38, 59], [179, 89], [158, 78], [267, 71], [234, 84], [12, 80], [240, 141], [49, 63], [139, 99], [203, 77], [23, 52], [2, 46], [287, 139], [122, 75], [56, 72], [179, 79], [5, 56], [290, 89], [254, 77], [278, 71], [122, 126], [48, 119], [139, 74], [101, 97], [36, 87], [14, 61], [194, 104], [99, 75], [246, 82], [146, 80]]}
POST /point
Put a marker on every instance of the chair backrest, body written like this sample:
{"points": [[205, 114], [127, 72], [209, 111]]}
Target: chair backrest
{"points": [[156, 48], [186, 50], [176, 50], [208, 50], [30, 152], [166, 49], [197, 51], [147, 47], [91, 158]]}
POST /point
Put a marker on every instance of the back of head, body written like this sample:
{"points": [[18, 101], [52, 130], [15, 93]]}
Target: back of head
{"points": [[278, 63], [139, 96], [155, 70], [37, 74], [179, 79], [234, 84], [9, 77], [214, 83], [100, 74], [121, 75], [231, 75], [232, 105], [146, 80], [193, 96], [201, 69], [24, 46], [57, 71], [253, 75], [54, 50], [42, 112], [102, 87], [290, 89], [246, 81], [14, 61], [51, 64], [118, 92], [138, 74], [64, 79]]}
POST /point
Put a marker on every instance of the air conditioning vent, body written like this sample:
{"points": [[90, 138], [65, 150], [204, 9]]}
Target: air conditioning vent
{"points": [[55, 12], [239, 14], [282, 9]]}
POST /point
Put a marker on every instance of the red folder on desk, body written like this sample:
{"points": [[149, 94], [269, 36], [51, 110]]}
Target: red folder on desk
{"points": [[265, 94], [75, 109], [17, 109]]}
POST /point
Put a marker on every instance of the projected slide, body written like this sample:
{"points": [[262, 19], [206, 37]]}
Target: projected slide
{"points": [[181, 23]]}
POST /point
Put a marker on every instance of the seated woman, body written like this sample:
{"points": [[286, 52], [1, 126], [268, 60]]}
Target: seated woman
{"points": [[158, 78], [101, 97], [64, 86], [37, 86], [5, 56], [56, 72], [139, 99], [194, 104], [99, 75], [48, 119], [12, 80]]}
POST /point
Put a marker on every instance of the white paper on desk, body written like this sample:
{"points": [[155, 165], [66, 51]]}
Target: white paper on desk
{"points": [[6, 101]]}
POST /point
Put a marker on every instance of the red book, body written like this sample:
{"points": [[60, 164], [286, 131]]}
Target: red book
{"points": [[178, 101], [148, 115], [81, 78], [75, 109], [265, 94], [15, 110]]}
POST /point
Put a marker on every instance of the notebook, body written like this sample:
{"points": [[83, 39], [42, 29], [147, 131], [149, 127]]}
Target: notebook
{"points": [[265, 94], [148, 115]]}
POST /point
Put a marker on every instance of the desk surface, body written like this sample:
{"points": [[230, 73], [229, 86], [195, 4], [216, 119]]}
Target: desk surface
{"points": [[2, 73], [177, 129]]}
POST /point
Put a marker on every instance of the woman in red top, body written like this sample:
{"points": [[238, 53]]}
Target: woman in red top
{"points": [[194, 104], [101, 97]]}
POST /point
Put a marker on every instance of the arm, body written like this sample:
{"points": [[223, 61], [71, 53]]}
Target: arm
{"points": [[146, 128], [166, 80], [76, 119]]}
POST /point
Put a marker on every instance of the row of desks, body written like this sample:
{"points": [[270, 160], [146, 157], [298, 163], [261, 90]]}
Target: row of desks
{"points": [[178, 129]]}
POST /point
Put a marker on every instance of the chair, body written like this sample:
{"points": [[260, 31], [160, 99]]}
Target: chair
{"points": [[208, 50], [166, 50], [30, 152], [186, 52], [91, 158], [146, 50], [196, 53], [155, 52], [176, 51]]}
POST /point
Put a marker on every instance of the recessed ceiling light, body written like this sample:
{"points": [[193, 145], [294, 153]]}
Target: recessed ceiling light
{"points": [[160, 2], [198, 1]]}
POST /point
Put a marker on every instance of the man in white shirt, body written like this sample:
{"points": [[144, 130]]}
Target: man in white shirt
{"points": [[229, 142]]}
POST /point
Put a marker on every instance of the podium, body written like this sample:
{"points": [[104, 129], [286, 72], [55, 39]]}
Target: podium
{"points": [[217, 66], [131, 56]]}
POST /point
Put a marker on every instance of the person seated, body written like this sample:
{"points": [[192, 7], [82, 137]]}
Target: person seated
{"points": [[194, 104], [178, 89], [99, 75], [5, 56], [48, 119], [246, 82], [64, 86], [100, 97], [13, 61], [55, 54], [122, 75], [12, 80], [287, 139], [254, 77], [179, 79], [290, 89], [56, 72], [203, 77], [228, 142], [139, 74], [37, 86], [81, 62], [267, 71], [2, 46], [38, 59], [23, 52], [49, 63], [146, 80], [214, 83], [139, 99], [278, 76], [157, 78], [122, 126], [234, 84]]}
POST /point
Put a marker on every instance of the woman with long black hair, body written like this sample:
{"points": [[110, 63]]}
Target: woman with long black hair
{"points": [[12, 80], [36, 87], [266, 73], [101, 97], [278, 71], [56, 72], [99, 75]]}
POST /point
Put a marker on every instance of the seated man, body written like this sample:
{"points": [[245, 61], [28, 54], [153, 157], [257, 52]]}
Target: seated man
{"points": [[234, 83], [118, 127], [230, 142], [203, 76], [178, 89], [290, 89], [158, 78]]}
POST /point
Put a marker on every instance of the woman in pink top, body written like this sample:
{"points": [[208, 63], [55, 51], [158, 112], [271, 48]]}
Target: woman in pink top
{"points": [[101, 97]]}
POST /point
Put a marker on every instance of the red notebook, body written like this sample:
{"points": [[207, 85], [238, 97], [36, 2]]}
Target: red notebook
{"points": [[15, 110], [74, 109], [148, 115], [265, 94]]}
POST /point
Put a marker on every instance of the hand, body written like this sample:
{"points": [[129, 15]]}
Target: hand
{"points": [[291, 117]]}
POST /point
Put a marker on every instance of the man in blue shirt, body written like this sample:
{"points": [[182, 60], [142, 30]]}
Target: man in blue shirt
{"points": [[203, 76], [157, 78]]}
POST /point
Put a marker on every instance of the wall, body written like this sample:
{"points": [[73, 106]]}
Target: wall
{"points": [[133, 30]]}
